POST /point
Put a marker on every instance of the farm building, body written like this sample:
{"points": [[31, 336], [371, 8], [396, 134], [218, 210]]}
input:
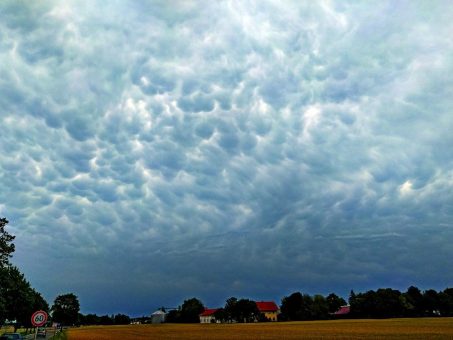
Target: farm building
{"points": [[208, 315], [158, 316], [268, 309], [342, 312]]}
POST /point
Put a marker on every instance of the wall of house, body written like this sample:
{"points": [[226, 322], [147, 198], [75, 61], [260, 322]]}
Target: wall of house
{"points": [[271, 315], [206, 319]]}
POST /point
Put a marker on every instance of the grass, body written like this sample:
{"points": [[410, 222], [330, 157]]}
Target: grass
{"points": [[60, 336], [10, 329], [422, 328]]}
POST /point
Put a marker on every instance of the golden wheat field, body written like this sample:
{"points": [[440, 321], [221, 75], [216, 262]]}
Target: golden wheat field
{"points": [[423, 328]]}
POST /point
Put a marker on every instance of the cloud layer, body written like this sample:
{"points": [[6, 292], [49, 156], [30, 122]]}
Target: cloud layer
{"points": [[151, 151]]}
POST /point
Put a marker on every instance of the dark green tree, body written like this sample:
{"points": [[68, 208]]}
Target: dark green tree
{"points": [[334, 302], [297, 307], [90, 319], [430, 302], [446, 302], [320, 308], [221, 315], [230, 309], [122, 319], [65, 309], [173, 316], [6, 245], [389, 303], [414, 302], [191, 310], [246, 311], [290, 307], [105, 320], [19, 299]]}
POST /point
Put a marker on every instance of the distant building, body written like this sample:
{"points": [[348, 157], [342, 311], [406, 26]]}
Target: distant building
{"points": [[208, 315], [268, 309], [343, 311], [158, 316]]}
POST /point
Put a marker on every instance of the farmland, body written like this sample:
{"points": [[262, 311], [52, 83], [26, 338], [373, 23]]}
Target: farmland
{"points": [[422, 328]]}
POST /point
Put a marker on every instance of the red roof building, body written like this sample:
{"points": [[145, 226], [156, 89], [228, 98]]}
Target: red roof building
{"points": [[208, 315], [209, 311], [344, 310], [268, 309]]}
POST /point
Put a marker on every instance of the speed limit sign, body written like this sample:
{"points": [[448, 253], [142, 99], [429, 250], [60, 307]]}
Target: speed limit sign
{"points": [[39, 318]]}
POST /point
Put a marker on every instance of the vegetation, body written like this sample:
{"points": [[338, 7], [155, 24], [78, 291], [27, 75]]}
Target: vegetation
{"points": [[243, 310], [389, 329], [382, 303], [388, 303], [65, 309], [93, 319], [6, 244], [18, 300], [60, 336], [187, 313]]}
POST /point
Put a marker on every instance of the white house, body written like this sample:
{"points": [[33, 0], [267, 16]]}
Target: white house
{"points": [[158, 316], [208, 316]]}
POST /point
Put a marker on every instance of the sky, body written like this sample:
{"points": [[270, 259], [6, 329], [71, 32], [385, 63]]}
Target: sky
{"points": [[154, 151]]}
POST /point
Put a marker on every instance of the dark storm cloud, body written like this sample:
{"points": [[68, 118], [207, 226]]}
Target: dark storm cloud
{"points": [[221, 149]]}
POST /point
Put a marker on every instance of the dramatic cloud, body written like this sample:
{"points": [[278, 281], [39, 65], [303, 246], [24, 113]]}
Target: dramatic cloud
{"points": [[154, 151]]}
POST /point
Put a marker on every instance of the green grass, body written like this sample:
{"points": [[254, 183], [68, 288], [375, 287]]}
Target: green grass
{"points": [[60, 336]]}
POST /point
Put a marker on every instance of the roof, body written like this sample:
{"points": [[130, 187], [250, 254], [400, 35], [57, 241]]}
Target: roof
{"points": [[159, 312], [266, 306], [343, 310], [209, 311]]}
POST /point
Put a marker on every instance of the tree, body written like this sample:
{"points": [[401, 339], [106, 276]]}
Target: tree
{"points": [[122, 319], [389, 303], [243, 310], [221, 315], [90, 319], [6, 245], [320, 308], [191, 310], [65, 309], [246, 311], [430, 302], [19, 299], [446, 302], [230, 309], [414, 301], [334, 302], [297, 307]]}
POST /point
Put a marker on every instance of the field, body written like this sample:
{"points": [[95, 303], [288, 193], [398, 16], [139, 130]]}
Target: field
{"points": [[423, 328]]}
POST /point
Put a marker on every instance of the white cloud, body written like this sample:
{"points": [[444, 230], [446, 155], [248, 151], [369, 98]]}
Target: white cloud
{"points": [[225, 129]]}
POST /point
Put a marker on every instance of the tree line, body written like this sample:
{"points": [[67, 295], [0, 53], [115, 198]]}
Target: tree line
{"points": [[242, 310], [382, 303], [18, 301]]}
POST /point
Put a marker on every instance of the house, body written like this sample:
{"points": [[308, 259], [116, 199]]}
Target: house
{"points": [[158, 316], [342, 312], [268, 309], [208, 315]]}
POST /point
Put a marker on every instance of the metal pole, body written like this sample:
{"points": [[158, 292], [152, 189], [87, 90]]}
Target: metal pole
{"points": [[36, 332]]}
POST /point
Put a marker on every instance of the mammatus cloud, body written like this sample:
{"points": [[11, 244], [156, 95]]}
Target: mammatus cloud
{"points": [[221, 149]]}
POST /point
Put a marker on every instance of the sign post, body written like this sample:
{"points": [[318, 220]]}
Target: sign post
{"points": [[38, 319]]}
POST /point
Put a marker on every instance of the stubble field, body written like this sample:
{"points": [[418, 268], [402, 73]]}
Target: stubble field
{"points": [[423, 328]]}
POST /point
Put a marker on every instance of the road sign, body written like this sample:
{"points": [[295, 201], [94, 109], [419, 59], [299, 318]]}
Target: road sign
{"points": [[39, 318]]}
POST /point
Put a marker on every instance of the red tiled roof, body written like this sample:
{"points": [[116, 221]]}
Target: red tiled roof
{"points": [[209, 312], [266, 306], [343, 310]]}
